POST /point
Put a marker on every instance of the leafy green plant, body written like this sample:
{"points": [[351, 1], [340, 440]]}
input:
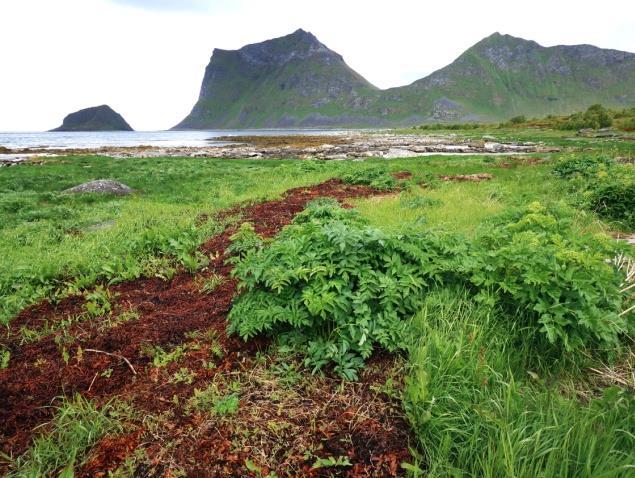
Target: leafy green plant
{"points": [[244, 240], [601, 186], [213, 399], [209, 284], [227, 405], [582, 165], [98, 301], [331, 462], [183, 375], [554, 278], [614, 198], [339, 287], [376, 177], [5, 357], [162, 358], [160, 267]]}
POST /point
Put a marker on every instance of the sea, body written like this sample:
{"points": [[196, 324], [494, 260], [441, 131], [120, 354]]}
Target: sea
{"points": [[72, 140]]}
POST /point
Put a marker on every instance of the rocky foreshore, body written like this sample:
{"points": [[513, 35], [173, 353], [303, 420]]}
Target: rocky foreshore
{"points": [[334, 147]]}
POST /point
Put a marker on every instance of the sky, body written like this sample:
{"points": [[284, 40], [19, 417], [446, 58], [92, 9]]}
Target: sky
{"points": [[146, 58]]}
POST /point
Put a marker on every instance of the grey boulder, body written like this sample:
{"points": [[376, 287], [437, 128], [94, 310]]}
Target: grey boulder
{"points": [[104, 186]]}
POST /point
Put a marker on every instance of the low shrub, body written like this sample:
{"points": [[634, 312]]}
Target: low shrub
{"points": [[584, 166], [601, 186], [338, 287], [538, 268], [376, 177], [614, 199], [595, 117], [628, 125]]}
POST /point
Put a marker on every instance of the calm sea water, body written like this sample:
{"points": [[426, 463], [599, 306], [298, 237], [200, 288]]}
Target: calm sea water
{"points": [[135, 138]]}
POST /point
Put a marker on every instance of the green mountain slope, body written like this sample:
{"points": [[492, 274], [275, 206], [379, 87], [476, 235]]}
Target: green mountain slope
{"points": [[297, 81], [287, 81], [502, 76]]}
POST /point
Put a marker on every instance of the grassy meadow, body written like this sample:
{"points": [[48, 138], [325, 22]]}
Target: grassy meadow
{"points": [[510, 327]]}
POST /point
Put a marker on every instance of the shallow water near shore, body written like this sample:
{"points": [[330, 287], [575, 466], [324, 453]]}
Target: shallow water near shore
{"points": [[98, 139]]}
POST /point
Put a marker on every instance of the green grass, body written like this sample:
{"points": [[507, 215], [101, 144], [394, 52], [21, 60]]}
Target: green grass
{"points": [[483, 399], [460, 208], [457, 206], [49, 240], [479, 410], [77, 426]]}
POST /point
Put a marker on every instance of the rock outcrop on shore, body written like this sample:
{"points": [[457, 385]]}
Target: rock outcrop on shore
{"points": [[349, 145], [96, 118]]}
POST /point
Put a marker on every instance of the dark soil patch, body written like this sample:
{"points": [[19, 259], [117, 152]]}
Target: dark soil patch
{"points": [[171, 314], [402, 175], [109, 453]]}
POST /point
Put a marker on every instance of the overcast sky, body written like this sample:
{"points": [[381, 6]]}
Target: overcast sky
{"points": [[145, 58]]}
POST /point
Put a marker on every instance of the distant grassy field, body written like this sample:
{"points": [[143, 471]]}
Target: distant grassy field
{"points": [[482, 326]]}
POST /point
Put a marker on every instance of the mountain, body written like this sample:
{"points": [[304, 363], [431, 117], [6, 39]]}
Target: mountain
{"points": [[290, 81], [96, 118], [502, 76], [296, 81]]}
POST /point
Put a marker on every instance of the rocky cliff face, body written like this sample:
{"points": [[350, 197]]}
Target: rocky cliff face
{"points": [[96, 118], [288, 81], [297, 81]]}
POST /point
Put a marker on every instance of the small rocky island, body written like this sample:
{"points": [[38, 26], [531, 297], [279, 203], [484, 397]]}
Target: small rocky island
{"points": [[96, 118]]}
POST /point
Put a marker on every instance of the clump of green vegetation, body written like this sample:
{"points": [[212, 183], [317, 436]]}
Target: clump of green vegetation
{"points": [[515, 121], [209, 284], [339, 285], [375, 177], [582, 166], [479, 406], [5, 357], [595, 117], [77, 426], [214, 399], [161, 357], [601, 185], [183, 375], [245, 239], [540, 269], [614, 198], [98, 302]]}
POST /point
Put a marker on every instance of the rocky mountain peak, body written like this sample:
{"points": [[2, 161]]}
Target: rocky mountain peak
{"points": [[278, 51]]}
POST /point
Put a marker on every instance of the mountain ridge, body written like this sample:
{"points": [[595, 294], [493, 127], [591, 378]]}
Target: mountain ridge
{"points": [[296, 81]]}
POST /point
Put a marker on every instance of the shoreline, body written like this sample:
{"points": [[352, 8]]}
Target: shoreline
{"points": [[325, 147]]}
